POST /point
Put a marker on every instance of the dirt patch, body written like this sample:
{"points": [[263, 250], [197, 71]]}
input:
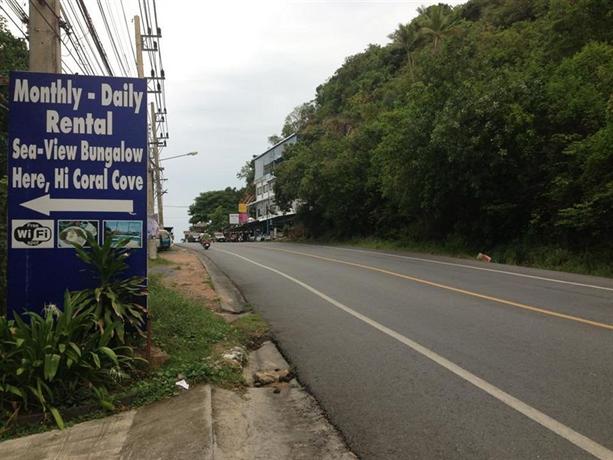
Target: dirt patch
{"points": [[187, 276]]}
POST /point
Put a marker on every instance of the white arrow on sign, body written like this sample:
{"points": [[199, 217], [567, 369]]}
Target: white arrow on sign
{"points": [[46, 205]]}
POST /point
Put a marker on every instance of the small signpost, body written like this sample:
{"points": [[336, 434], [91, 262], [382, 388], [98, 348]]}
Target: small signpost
{"points": [[77, 160]]}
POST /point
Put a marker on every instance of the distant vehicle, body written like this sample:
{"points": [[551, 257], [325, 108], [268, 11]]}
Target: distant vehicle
{"points": [[192, 237], [219, 237], [165, 240]]}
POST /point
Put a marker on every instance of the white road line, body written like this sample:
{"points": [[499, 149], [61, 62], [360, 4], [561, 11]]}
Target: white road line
{"points": [[504, 272], [579, 440]]}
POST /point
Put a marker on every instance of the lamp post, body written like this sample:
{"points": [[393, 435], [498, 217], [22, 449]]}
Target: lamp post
{"points": [[158, 184], [177, 156]]}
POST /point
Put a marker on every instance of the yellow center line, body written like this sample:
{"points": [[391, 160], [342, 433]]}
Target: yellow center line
{"points": [[543, 311]]}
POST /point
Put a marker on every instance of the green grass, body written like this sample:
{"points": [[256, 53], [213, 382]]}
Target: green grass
{"points": [[191, 334], [251, 330], [451, 248], [158, 262], [589, 262]]}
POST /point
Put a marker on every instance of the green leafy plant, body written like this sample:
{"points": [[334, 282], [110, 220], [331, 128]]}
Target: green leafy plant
{"points": [[58, 359], [115, 298]]}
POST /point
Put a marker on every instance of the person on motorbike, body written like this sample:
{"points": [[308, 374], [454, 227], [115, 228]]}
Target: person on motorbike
{"points": [[205, 241]]}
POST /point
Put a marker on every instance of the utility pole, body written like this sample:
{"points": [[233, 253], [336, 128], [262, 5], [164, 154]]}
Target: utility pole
{"points": [[139, 48], [152, 249], [44, 33], [156, 165]]}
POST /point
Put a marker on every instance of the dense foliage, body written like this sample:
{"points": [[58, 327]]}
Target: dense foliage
{"points": [[215, 206], [57, 360], [117, 299], [487, 124], [13, 56], [73, 354]]}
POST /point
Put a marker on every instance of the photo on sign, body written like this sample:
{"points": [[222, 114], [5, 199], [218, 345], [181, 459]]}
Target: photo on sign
{"points": [[119, 230], [74, 232]]}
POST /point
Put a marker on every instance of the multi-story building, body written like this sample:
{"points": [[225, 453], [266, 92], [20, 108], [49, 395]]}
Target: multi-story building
{"points": [[264, 208]]}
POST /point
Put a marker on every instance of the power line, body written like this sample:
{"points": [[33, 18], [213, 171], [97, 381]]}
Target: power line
{"points": [[18, 10], [125, 20], [110, 35], [51, 27], [64, 24], [86, 39], [121, 41], [94, 35], [14, 22], [86, 64]]}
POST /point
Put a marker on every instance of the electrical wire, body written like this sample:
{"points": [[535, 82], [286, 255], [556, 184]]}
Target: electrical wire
{"points": [[17, 26], [120, 40], [95, 37], [110, 35], [125, 20], [86, 64], [85, 42], [51, 27]]}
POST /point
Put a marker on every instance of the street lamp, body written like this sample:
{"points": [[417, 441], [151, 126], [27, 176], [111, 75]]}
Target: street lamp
{"points": [[158, 183], [177, 156]]}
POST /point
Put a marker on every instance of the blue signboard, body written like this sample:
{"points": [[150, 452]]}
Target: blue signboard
{"points": [[77, 164]]}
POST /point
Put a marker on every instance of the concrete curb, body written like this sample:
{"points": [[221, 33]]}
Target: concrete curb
{"points": [[209, 422], [230, 298]]}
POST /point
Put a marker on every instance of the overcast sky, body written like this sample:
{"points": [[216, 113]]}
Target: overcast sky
{"points": [[235, 69]]}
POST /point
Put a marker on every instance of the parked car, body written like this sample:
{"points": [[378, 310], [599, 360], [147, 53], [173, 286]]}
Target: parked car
{"points": [[165, 240], [219, 237]]}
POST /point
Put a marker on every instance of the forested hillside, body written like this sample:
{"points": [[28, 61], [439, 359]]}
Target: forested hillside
{"points": [[489, 125]]}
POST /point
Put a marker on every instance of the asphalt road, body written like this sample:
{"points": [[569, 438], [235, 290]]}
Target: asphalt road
{"points": [[416, 356]]}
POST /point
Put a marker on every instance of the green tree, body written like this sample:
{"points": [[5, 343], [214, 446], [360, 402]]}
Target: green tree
{"points": [[212, 204], [436, 22], [247, 173], [297, 119], [489, 125], [274, 139], [406, 38], [13, 56], [219, 219]]}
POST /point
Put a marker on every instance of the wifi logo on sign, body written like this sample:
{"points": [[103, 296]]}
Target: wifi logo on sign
{"points": [[32, 234]]}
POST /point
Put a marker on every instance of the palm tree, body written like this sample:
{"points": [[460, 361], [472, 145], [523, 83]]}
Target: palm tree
{"points": [[436, 22], [405, 37]]}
